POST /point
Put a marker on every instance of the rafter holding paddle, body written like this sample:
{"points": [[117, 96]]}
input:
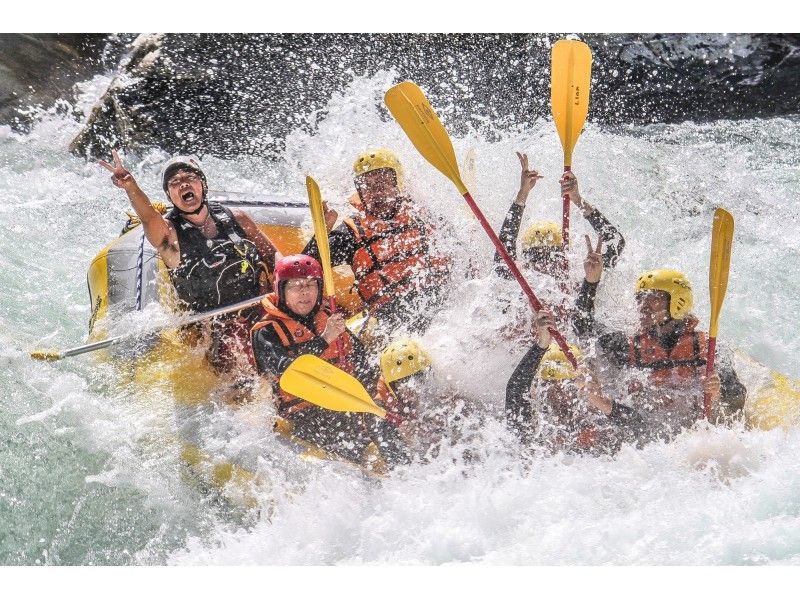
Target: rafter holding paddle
{"points": [[413, 111], [721, 241], [571, 75], [321, 235]]}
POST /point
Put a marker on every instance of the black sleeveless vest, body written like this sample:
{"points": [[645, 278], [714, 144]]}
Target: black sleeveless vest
{"points": [[215, 272]]}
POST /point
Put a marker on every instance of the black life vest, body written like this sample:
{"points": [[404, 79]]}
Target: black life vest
{"points": [[215, 272]]}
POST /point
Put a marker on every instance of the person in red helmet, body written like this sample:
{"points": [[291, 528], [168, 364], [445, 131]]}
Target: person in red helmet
{"points": [[294, 324]]}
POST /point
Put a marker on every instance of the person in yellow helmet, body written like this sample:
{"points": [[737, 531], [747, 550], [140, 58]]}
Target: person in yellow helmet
{"points": [[408, 387], [400, 275], [545, 399], [542, 243], [404, 366], [664, 360]]}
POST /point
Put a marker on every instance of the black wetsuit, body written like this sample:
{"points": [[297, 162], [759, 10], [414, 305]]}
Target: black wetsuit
{"points": [[613, 241], [568, 426]]}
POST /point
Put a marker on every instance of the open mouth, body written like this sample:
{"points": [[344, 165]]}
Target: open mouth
{"points": [[188, 196]]}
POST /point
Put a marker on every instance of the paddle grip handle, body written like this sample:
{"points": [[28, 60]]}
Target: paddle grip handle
{"points": [[339, 350], [565, 215], [712, 353], [535, 303]]}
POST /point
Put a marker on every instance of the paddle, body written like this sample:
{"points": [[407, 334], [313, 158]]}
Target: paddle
{"points": [[321, 235], [411, 109], [721, 239], [571, 74], [115, 340], [319, 382]]}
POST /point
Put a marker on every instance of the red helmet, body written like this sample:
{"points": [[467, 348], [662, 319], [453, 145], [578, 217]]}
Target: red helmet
{"points": [[297, 266]]}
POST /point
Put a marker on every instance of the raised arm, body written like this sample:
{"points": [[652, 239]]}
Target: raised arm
{"points": [[509, 232], [518, 406], [156, 229], [612, 239]]}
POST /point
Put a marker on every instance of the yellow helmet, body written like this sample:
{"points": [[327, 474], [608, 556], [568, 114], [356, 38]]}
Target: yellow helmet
{"points": [[376, 159], [673, 282], [542, 234], [403, 358], [556, 366]]}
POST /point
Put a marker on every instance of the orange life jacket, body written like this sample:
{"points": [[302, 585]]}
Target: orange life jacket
{"points": [[686, 362], [393, 257], [294, 335], [389, 400]]}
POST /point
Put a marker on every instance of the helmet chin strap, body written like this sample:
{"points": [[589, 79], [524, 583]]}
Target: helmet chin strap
{"points": [[193, 212]]}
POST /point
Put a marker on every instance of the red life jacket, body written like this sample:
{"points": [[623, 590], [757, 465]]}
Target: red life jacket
{"points": [[393, 257], [293, 336], [683, 366]]}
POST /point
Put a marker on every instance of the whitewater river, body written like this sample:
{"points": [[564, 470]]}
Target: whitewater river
{"points": [[89, 472]]}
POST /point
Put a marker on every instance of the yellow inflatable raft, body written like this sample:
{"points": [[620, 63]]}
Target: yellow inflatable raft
{"points": [[127, 275]]}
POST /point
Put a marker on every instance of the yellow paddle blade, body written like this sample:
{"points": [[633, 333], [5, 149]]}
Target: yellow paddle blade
{"points": [[321, 234], [46, 355], [571, 74], [721, 240], [413, 111], [319, 382]]}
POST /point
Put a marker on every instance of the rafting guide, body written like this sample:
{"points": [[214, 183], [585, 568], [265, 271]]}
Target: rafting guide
{"points": [[215, 257]]}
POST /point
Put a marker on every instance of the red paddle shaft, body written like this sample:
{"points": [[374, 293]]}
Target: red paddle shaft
{"points": [[712, 352], [535, 304]]}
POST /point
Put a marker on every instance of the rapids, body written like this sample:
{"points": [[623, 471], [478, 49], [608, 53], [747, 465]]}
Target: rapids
{"points": [[90, 471]]}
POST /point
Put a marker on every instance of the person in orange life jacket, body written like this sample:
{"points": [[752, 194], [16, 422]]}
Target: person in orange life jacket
{"points": [[215, 257], [294, 324], [398, 274], [542, 243], [544, 403], [665, 360]]}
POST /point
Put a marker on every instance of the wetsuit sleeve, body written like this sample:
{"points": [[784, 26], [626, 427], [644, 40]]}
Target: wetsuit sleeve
{"points": [[613, 343], [272, 357], [583, 320], [613, 241], [518, 407], [342, 243], [508, 237]]}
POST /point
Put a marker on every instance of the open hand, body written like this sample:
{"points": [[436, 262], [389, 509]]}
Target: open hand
{"points": [[330, 216], [119, 175]]}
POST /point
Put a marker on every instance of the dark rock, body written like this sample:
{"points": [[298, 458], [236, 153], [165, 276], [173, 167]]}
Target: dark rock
{"points": [[40, 69], [241, 94]]}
